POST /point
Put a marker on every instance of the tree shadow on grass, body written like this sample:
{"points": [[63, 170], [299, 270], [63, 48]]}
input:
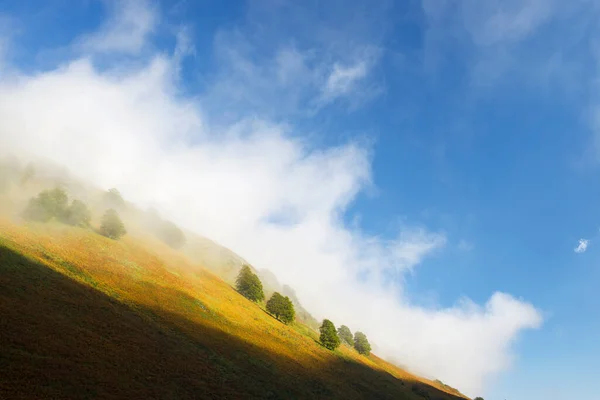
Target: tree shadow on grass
{"points": [[257, 305], [270, 315], [60, 338]]}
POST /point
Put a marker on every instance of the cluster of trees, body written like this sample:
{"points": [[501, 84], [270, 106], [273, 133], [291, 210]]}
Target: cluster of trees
{"points": [[332, 338], [54, 204], [248, 284]]}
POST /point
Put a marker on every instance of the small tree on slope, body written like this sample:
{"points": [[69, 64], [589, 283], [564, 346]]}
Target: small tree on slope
{"points": [[329, 337], [281, 307], [248, 284], [171, 234], [361, 344], [345, 335], [113, 199], [112, 226], [78, 214]]}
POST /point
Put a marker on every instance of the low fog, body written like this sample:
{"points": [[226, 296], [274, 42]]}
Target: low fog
{"points": [[255, 185]]}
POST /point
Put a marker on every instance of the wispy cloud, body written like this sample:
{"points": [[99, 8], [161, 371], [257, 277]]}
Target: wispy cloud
{"points": [[8, 30], [493, 37], [581, 246], [342, 79], [291, 80], [499, 22], [349, 81], [125, 31], [314, 61], [413, 245]]}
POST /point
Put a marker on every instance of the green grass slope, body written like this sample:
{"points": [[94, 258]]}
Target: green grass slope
{"points": [[84, 317]]}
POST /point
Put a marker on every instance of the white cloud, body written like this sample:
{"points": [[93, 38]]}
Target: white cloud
{"points": [[257, 187], [581, 246], [125, 31]]}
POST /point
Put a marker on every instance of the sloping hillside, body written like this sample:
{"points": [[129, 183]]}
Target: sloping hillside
{"points": [[82, 316]]}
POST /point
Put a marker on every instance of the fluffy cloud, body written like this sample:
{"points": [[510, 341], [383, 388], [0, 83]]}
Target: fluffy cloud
{"points": [[260, 188]]}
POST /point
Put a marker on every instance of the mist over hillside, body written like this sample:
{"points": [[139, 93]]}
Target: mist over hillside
{"points": [[19, 182]]}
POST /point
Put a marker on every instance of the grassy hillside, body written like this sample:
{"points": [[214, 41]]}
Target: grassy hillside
{"points": [[83, 316]]}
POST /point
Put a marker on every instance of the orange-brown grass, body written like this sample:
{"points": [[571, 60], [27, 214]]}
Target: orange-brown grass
{"points": [[83, 316]]}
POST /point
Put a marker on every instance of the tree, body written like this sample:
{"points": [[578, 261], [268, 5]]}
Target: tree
{"points": [[478, 398], [361, 344], [78, 214], [329, 337], [288, 314], [281, 307], [248, 284], [54, 203], [46, 205], [345, 334], [274, 304], [112, 226], [113, 199], [170, 233]]}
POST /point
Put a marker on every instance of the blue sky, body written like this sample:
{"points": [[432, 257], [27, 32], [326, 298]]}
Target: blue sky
{"points": [[453, 142]]}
